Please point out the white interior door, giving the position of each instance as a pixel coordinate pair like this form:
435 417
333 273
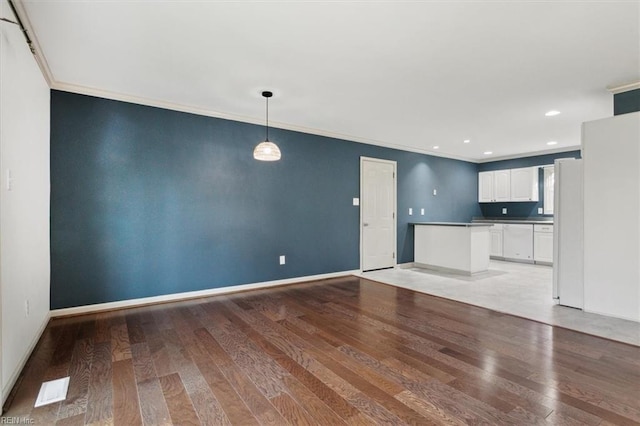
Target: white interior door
377 213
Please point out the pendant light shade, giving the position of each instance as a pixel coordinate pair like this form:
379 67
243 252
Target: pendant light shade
267 150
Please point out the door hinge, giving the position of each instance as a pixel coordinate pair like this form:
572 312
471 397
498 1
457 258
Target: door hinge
394 255
393 215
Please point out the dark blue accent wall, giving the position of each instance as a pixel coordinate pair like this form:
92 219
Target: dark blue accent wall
521 209
148 201
626 102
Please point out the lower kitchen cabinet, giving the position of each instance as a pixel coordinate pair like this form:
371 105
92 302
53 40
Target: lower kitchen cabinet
543 243
495 236
522 242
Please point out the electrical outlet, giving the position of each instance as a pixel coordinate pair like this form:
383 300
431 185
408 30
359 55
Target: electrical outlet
540 211
435 191
422 212
282 260
356 201
26 307
410 211
504 210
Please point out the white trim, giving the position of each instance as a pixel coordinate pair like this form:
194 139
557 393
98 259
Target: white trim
529 154
175 297
90 91
624 87
39 56
23 362
395 204
608 314
407 265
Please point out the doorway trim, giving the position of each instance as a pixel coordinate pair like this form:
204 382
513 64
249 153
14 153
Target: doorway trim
395 205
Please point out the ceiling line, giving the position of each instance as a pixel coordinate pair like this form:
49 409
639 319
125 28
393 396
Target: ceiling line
84 90
22 16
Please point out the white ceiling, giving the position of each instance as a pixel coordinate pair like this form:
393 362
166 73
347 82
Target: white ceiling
409 75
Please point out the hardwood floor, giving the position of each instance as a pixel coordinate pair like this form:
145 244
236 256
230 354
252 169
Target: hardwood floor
341 351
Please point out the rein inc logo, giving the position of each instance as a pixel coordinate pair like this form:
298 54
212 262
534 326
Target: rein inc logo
17 421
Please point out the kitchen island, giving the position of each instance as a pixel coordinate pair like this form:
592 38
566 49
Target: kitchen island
452 247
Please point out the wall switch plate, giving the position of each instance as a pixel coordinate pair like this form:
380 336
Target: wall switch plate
9 182
422 212
540 211
504 210
282 260
410 211
356 201
435 191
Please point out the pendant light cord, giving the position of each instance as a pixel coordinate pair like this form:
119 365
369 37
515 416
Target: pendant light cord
267 119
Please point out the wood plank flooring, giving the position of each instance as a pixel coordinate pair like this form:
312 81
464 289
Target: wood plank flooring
333 352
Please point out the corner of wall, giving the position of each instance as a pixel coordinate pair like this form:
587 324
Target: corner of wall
25 268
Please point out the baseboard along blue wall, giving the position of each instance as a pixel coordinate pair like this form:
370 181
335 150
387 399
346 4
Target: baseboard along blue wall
148 201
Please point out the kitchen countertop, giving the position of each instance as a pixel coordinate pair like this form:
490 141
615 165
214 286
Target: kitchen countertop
450 224
516 220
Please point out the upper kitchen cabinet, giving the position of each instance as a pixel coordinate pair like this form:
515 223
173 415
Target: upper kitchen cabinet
485 187
502 187
494 186
524 184
549 183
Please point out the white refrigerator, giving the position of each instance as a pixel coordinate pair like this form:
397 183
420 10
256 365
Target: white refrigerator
568 218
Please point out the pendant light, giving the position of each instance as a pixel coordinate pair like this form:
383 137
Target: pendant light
267 151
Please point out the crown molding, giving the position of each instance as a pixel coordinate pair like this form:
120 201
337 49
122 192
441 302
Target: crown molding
106 94
624 87
156 103
531 154
39 56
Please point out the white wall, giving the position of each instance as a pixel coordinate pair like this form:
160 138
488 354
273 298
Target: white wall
24 210
611 160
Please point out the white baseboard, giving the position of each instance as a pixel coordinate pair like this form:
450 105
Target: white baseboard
407 265
23 361
109 306
610 315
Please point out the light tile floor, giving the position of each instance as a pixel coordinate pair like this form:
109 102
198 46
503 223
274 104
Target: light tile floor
519 289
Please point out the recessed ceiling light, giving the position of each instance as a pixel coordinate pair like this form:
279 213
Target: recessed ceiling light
552 143
552 113
488 152
466 141
436 147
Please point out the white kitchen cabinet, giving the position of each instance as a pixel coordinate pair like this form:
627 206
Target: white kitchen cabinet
517 242
485 187
502 185
549 188
543 243
455 247
494 186
495 236
524 184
